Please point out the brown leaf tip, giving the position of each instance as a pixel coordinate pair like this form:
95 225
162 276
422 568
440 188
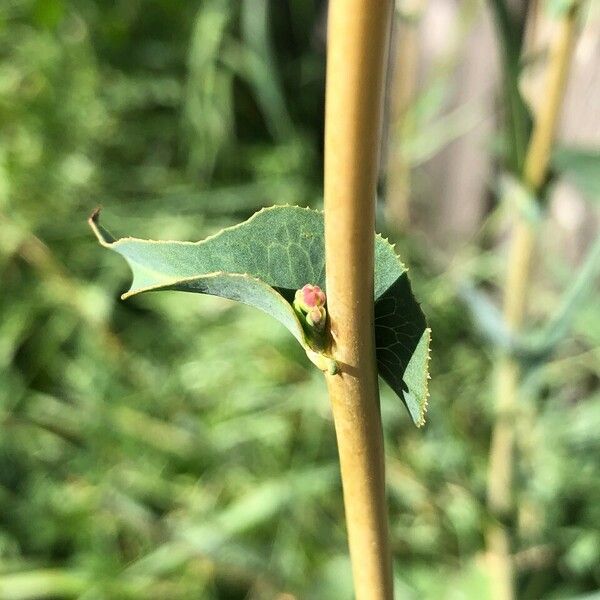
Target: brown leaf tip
93 218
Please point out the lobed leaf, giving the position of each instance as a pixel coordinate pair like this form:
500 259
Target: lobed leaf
263 261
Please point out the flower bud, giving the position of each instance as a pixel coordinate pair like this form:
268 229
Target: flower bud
309 297
317 317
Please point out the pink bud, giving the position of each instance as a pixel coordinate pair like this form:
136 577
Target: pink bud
313 295
317 317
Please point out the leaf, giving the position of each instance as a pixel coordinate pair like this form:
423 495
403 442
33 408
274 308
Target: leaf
263 261
581 166
558 8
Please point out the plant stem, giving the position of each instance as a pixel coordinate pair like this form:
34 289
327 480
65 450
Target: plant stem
516 120
535 171
358 33
403 89
43 583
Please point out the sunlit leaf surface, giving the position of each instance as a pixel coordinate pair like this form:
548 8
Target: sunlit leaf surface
263 261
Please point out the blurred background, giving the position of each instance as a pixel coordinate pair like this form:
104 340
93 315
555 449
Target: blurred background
176 446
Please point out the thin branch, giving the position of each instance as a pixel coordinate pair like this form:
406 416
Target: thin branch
358 33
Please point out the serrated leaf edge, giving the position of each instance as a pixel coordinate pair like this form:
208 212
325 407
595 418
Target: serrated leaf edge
95 216
98 231
321 360
313 356
422 420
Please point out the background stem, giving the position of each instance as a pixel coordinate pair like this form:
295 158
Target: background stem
517 125
535 171
403 85
358 34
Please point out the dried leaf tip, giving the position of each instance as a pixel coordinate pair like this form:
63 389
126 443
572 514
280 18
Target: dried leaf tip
104 237
93 218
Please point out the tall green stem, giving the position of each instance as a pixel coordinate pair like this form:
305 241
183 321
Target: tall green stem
534 174
358 33
516 117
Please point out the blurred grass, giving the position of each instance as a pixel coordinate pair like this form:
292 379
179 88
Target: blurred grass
176 447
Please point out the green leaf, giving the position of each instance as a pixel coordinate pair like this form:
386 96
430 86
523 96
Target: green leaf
581 166
263 261
557 8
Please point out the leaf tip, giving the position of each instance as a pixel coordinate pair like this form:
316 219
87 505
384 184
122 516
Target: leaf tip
93 221
93 218
104 237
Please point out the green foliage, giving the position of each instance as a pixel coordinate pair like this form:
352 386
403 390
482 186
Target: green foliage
517 121
580 166
557 8
263 261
